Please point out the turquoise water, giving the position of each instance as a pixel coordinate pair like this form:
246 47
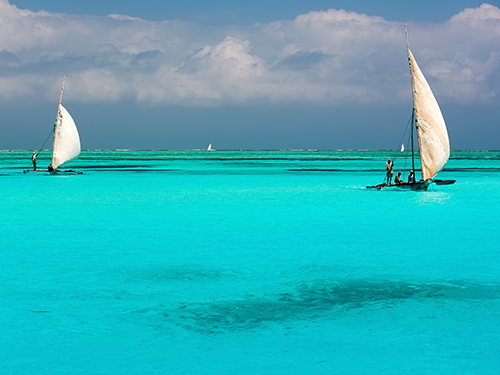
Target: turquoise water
248 263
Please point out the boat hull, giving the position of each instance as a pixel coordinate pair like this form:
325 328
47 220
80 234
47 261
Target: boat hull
56 171
416 186
53 172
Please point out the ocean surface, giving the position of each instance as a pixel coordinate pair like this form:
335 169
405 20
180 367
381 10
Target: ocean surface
235 262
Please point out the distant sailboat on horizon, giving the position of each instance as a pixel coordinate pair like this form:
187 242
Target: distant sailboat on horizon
433 141
66 142
209 148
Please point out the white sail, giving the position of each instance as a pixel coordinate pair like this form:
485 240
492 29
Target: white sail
66 145
209 148
432 135
402 147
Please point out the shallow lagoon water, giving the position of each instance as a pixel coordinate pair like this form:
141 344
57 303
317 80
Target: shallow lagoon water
258 262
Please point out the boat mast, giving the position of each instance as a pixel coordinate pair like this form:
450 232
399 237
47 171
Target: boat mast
59 105
413 99
57 115
60 97
412 150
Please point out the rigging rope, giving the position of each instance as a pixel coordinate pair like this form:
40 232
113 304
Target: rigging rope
401 140
406 159
46 139
406 129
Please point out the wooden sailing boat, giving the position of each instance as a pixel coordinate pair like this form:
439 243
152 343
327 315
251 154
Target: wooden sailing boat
66 141
433 141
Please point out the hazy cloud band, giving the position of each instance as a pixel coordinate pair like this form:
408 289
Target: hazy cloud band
329 57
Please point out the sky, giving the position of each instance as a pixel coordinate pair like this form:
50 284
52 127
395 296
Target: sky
257 75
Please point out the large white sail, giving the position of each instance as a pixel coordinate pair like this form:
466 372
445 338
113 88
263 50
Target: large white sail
66 144
432 135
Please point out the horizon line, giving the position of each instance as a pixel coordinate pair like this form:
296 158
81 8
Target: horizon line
245 150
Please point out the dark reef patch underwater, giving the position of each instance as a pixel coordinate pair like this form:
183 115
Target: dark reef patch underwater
315 300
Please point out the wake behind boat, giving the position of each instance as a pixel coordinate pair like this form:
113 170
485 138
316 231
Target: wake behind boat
66 141
433 141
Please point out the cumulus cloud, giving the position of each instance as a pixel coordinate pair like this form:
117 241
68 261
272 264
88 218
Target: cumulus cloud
328 57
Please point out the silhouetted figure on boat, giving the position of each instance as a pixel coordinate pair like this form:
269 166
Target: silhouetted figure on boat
411 177
50 169
389 171
33 159
397 179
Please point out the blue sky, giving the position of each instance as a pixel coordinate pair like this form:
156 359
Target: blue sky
261 75
249 12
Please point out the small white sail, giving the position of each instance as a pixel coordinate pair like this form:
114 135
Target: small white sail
209 148
402 147
432 135
66 145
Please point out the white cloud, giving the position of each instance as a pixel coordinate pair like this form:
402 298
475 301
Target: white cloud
477 16
328 57
121 17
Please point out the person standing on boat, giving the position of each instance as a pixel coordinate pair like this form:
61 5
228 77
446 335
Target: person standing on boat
389 171
33 159
411 177
397 180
